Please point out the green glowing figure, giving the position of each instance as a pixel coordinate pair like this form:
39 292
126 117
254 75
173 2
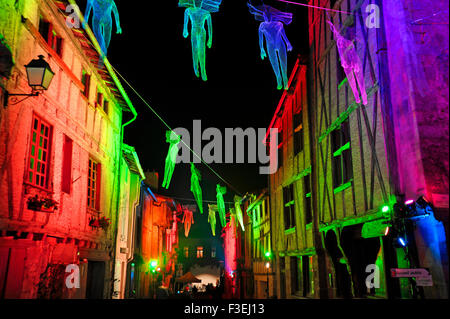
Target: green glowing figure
212 209
195 187
102 21
272 30
171 158
199 12
221 190
238 211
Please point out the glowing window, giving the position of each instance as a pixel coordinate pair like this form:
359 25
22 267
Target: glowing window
200 252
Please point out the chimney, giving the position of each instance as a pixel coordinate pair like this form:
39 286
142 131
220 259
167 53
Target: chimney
152 180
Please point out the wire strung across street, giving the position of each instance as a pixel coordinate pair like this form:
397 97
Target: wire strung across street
164 122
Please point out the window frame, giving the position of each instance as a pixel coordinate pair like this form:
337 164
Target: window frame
289 207
342 166
96 182
35 158
66 169
299 136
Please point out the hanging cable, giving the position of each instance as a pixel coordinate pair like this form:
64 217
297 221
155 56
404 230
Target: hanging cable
316 7
164 122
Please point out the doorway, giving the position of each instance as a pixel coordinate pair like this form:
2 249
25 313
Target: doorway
95 280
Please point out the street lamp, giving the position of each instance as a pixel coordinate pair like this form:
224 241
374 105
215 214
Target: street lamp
39 76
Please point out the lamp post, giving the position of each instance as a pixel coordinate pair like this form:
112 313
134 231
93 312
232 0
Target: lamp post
39 76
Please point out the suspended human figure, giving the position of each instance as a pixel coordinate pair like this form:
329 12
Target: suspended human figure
188 220
351 64
238 211
221 190
212 209
102 21
173 139
195 187
199 12
272 30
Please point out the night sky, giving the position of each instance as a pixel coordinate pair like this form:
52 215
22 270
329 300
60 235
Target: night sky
240 92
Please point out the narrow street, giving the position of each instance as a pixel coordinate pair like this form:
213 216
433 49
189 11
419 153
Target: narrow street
225 154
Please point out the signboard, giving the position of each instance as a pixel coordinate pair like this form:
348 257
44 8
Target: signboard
426 281
440 200
374 229
409 273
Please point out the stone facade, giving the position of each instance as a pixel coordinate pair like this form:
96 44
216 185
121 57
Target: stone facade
40 244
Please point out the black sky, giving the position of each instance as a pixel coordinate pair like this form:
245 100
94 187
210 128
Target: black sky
240 92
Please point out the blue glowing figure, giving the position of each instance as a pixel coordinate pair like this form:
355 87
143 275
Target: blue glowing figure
221 190
277 43
102 21
171 158
199 12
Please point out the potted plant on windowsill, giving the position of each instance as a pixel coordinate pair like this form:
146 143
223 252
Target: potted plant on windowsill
46 205
104 223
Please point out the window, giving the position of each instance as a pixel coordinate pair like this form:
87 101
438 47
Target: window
308 197
199 252
186 252
66 181
94 175
106 106
298 132
289 207
280 148
99 102
213 252
39 156
50 36
342 157
86 80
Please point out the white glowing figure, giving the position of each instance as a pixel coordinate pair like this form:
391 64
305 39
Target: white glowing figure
238 210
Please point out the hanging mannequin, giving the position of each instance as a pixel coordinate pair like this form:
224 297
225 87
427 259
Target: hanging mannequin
277 43
188 220
102 21
212 209
199 12
351 64
221 190
171 158
238 211
195 187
